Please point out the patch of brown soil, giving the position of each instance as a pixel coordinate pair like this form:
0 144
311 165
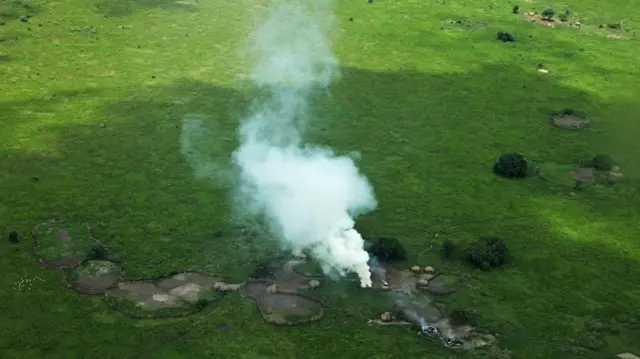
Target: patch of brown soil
289 281
615 37
202 280
145 295
95 276
66 262
283 308
389 278
453 331
438 285
583 174
568 119
179 290
407 282
418 313
60 243
95 284
427 313
533 17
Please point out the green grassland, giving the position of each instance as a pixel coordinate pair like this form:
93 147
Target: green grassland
93 94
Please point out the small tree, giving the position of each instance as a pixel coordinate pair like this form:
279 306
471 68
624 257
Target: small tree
548 13
511 165
516 9
97 252
487 253
201 303
603 162
505 37
388 249
448 248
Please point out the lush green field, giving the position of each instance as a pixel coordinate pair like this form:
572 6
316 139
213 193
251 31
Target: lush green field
92 98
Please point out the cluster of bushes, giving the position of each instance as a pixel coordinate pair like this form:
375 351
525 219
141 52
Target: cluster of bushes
485 253
386 248
547 14
598 162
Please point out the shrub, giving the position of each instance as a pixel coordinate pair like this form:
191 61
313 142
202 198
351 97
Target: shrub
599 162
262 269
563 17
97 252
505 37
516 9
13 237
448 248
511 165
388 249
488 252
201 303
603 163
463 317
548 13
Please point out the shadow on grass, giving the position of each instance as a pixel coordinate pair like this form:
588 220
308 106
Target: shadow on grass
428 142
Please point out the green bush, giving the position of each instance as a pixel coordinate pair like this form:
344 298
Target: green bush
388 249
603 163
600 162
548 13
511 165
13 237
261 269
97 252
505 37
448 248
201 303
487 253
516 9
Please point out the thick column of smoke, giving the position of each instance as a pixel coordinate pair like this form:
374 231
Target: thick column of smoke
307 193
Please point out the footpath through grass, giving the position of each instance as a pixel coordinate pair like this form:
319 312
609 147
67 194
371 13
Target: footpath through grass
94 92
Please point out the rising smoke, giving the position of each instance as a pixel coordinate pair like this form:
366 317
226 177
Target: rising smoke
308 194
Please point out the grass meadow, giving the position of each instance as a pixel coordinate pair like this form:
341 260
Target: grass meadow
93 94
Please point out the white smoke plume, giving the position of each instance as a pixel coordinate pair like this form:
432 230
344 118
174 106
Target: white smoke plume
308 194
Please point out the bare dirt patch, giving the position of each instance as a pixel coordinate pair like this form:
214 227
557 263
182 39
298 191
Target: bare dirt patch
283 308
61 245
178 295
430 318
418 311
278 299
414 307
533 17
569 120
95 276
441 285
405 281
615 37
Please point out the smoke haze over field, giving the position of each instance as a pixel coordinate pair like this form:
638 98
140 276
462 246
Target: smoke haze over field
307 194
